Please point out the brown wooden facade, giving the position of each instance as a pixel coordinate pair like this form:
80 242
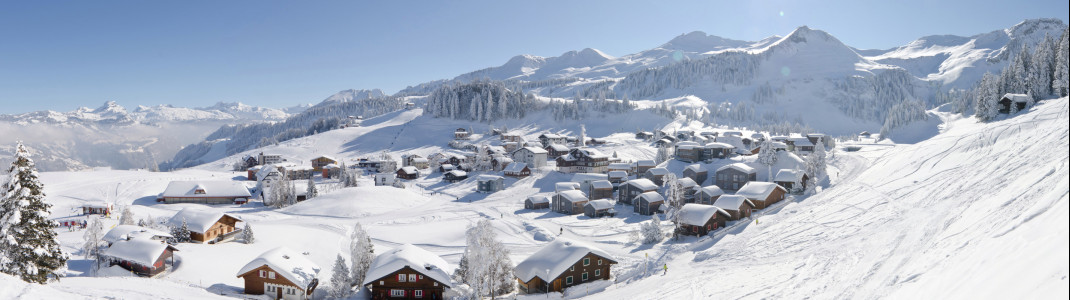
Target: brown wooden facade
224 225
157 267
406 283
589 268
259 279
775 196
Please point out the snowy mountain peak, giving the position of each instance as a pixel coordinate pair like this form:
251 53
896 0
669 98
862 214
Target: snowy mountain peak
1031 26
353 94
698 41
587 56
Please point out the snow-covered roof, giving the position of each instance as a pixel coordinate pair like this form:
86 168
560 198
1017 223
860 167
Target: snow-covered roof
757 189
738 166
658 171
697 168
620 166
651 197
789 175
731 202
642 184
698 214
584 177
559 147
141 251
573 195
133 232
801 141
419 159
197 220
617 174
711 191
407 255
687 145
779 145
564 186
557 256
592 153
96 204
458 173
602 184
600 204
326 157
515 167
291 265
1017 97
410 170
687 182
230 189
718 145
541 198
535 150
645 163
487 177
552 136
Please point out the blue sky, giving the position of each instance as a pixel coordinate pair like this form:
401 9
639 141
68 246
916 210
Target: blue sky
62 55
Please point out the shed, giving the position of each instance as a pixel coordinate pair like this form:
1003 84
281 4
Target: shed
648 203
599 208
701 219
1011 103
537 202
569 202
762 194
791 180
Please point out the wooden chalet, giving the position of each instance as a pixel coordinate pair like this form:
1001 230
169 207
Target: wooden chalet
550 138
708 194
631 189
281 273
717 150
737 206
500 162
688 151
569 202
561 264
644 135
489 183
556 150
537 202
97 208
627 168
701 219
517 170
141 256
656 175
762 194
1013 103
455 176
643 165
407 173
601 189
648 203
688 187
616 177
461 134
534 157
599 208
251 172
204 225
408 272
319 162
734 176
583 160
205 192
415 160
792 180
696 172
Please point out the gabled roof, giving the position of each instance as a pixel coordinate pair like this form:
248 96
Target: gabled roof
515 167
324 156
718 145
535 150
582 177
738 167
645 163
197 220
642 184
564 186
409 170
600 204
488 177
758 190
291 265
558 147
697 168
458 173
229 189
540 198
1017 97
800 141
133 232
731 202
789 175
557 256
573 195
687 182
144 252
620 165
407 255
617 174
650 197
687 145
658 171
698 214
602 184
711 191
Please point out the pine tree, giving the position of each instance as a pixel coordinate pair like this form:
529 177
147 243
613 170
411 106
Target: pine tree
1060 75
93 238
987 98
768 157
361 252
28 245
247 234
340 287
126 217
311 191
291 196
651 231
180 233
485 265
673 197
1042 67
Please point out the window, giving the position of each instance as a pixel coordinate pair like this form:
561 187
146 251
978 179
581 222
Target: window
412 277
263 273
572 268
584 276
568 280
418 293
397 293
271 275
401 277
270 288
421 277
381 282
599 261
586 261
597 272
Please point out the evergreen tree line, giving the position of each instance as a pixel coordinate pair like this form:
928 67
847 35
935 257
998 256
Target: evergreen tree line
732 67
1040 74
481 101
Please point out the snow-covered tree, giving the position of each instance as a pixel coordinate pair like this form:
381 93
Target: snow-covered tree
311 191
816 163
767 156
28 245
93 238
398 183
1043 64
485 264
582 142
674 197
291 196
180 233
126 217
663 155
1060 76
987 97
361 254
651 231
483 159
247 234
340 282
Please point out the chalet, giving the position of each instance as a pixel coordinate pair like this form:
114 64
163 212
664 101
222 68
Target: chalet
816 138
696 172
762 194
599 208
717 150
410 105
688 187
408 173
537 202
616 177
251 172
205 192
734 176
732 140
532 156
648 203
664 142
642 165
384 179
864 134
144 257
351 121
266 176
280 273
455 176
683 135
562 264
708 194
688 151
97 208
569 202
644 135
203 225
631 189
489 183
408 272
517 170
737 206
461 134
331 171
268 159
793 181
499 162
443 168
656 175
601 189
701 219
556 150
249 161
125 232
1011 103
627 168
549 139
732 133
414 160
512 137
510 146
583 160
319 162
292 171
585 180
800 145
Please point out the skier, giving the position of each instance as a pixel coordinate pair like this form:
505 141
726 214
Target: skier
562 231
666 267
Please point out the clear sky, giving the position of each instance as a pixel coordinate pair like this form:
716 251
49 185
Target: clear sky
61 55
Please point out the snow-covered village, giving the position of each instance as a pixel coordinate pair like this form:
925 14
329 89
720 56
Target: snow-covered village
766 159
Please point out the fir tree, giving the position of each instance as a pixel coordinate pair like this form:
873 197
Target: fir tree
361 252
311 191
340 287
1060 75
485 265
93 238
651 231
180 233
767 156
28 245
987 98
126 217
247 234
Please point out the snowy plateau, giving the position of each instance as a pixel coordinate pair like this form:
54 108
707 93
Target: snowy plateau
942 206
